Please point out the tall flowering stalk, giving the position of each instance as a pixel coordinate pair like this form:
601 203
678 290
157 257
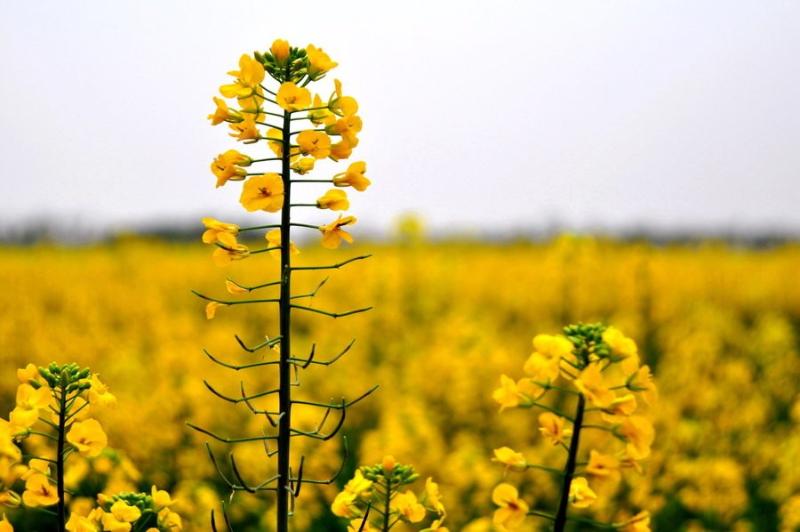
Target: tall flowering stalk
276 116
601 373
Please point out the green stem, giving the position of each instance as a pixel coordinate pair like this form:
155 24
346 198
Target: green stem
386 511
284 395
62 421
569 468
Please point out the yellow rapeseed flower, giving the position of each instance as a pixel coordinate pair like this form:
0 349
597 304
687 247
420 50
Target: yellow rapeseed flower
353 177
512 510
314 143
228 166
223 113
29 401
333 234
342 105
211 309
99 394
591 384
510 458
638 523
28 373
639 434
222 256
88 437
292 98
39 492
245 130
318 61
248 78
603 465
234 288
303 165
222 232
552 428
263 192
347 127
580 494
5 526
344 504
341 150
335 200
407 507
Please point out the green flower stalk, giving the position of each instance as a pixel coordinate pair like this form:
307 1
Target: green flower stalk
300 130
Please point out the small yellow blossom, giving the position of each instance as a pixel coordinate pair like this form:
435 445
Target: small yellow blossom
511 458
88 437
335 200
234 288
512 394
318 61
591 384
39 492
28 373
99 394
358 484
639 434
603 466
221 232
341 150
580 494
303 165
223 256
29 401
353 177
347 127
552 428
344 504
333 234
228 167
292 98
512 510
245 130
342 105
639 523
223 113
169 520
5 526
642 382
263 192
248 78
314 143
432 496
408 508
212 307
280 50
85 523
161 498
619 408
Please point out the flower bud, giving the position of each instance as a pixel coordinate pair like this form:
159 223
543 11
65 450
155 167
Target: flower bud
280 50
388 463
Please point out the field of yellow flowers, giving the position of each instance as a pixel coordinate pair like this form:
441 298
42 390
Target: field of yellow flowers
718 325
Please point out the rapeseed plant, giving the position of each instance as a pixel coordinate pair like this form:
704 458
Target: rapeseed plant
599 368
276 115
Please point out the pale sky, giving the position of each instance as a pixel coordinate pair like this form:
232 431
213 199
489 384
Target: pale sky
477 115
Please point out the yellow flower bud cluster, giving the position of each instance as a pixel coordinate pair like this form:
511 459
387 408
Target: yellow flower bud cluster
379 487
598 368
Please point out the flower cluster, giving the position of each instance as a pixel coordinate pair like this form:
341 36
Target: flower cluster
53 402
372 499
127 511
599 368
332 133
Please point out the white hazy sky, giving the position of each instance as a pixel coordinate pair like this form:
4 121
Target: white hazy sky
492 115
